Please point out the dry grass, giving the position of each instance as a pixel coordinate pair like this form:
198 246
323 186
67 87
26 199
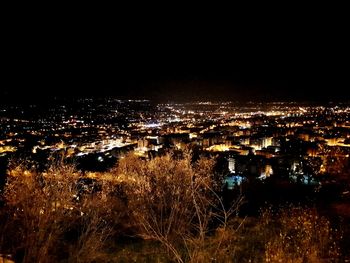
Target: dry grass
302 236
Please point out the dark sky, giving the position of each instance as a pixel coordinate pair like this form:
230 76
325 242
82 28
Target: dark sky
308 60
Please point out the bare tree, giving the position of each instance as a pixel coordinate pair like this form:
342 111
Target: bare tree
173 202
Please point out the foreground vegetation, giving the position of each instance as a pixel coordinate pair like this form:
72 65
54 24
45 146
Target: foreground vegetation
168 209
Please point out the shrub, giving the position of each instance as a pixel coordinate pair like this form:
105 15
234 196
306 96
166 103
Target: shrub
172 201
42 212
60 215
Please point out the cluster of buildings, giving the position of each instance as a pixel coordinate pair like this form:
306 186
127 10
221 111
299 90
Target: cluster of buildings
301 142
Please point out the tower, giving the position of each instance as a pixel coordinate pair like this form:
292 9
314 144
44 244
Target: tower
231 165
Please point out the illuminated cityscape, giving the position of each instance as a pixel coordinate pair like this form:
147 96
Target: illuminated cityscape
287 140
273 152
124 139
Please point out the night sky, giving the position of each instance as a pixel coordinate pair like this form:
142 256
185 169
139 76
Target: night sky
177 62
